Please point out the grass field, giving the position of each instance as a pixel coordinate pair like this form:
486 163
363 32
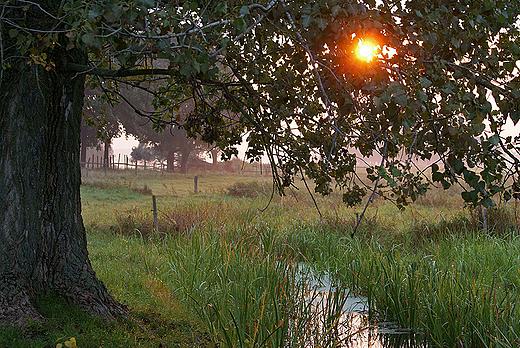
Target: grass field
225 267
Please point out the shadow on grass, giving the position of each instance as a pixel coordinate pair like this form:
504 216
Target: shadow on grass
64 321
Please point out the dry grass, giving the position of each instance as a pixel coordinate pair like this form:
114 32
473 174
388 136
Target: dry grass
119 185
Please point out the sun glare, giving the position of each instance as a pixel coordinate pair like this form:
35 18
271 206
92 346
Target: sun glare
366 51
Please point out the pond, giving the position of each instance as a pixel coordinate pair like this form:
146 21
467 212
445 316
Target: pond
355 326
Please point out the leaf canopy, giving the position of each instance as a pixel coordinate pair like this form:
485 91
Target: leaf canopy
440 93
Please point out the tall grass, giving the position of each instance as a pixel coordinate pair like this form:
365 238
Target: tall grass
237 267
462 294
247 296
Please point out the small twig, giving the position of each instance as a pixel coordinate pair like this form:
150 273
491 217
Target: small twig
310 193
371 198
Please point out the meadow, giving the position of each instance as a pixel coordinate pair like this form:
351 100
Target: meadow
230 266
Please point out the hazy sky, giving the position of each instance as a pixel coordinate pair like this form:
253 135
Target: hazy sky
124 145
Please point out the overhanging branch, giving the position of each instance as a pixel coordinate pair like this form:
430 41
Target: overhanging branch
84 69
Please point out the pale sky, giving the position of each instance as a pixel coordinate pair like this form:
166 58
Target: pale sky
123 146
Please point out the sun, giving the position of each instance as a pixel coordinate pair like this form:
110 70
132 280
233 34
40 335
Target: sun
366 50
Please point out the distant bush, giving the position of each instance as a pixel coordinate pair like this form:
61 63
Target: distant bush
249 189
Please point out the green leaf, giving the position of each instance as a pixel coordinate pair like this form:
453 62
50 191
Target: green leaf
13 33
445 184
515 116
401 100
425 83
244 10
307 20
239 24
494 139
458 166
222 7
437 176
88 38
93 14
147 3
185 70
479 128
488 202
470 196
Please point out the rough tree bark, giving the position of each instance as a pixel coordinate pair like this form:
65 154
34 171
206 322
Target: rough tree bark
43 245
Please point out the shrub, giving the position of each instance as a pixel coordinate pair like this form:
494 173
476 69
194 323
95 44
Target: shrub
249 189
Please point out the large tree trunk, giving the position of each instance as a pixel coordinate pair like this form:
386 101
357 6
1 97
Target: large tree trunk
43 245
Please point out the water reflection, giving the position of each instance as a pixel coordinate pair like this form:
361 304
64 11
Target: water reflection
353 329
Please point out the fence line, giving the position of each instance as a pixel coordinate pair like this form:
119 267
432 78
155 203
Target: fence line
97 162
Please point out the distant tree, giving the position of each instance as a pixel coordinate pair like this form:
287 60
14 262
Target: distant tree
143 152
170 140
99 116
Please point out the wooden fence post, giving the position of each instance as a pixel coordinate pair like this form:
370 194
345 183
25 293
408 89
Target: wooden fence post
485 219
154 204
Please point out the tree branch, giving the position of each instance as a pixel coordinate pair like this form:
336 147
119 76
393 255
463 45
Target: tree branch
84 69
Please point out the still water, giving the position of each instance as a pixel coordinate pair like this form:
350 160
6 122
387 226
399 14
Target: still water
354 328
